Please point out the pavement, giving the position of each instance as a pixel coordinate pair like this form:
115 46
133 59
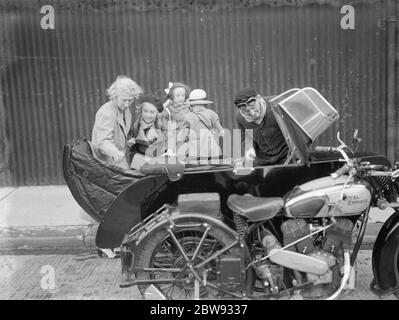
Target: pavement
43 219
47 219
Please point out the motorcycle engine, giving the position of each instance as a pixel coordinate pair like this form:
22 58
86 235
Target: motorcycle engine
327 248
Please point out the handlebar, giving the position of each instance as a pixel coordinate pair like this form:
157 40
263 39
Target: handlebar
341 171
325 149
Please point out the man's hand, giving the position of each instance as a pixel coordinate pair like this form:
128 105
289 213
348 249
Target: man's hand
250 154
117 156
131 142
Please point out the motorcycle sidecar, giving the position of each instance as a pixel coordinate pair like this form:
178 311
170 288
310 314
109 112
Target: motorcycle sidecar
120 199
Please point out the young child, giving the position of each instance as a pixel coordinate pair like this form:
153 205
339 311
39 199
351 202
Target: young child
206 125
176 108
176 95
146 130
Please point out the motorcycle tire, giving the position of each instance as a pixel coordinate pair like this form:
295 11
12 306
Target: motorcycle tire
385 261
148 251
396 267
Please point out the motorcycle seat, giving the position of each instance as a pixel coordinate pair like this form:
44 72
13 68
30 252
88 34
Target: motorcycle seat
255 208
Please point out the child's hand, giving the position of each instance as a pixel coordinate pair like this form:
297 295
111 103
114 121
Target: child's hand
250 154
221 133
170 153
167 103
131 142
117 156
153 140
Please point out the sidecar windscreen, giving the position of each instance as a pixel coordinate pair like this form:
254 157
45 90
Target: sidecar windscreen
309 110
302 114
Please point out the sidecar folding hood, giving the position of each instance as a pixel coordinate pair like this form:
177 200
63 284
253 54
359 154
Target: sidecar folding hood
303 115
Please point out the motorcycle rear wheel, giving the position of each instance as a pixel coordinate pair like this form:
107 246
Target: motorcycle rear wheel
158 250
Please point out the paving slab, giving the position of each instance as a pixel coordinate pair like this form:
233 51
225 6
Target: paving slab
40 206
44 219
5 191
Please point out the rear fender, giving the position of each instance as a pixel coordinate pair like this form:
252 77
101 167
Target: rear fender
385 257
132 241
187 219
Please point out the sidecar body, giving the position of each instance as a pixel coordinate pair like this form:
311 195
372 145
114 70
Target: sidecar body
120 199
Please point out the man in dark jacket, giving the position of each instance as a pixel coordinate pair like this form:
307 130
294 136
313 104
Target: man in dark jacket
254 112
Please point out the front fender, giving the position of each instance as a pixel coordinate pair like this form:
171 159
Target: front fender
385 257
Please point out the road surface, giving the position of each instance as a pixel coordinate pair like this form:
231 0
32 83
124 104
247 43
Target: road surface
62 277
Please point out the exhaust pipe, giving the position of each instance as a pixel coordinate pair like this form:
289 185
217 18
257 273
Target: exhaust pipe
347 270
293 260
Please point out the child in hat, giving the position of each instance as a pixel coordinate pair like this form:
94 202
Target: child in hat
175 107
204 123
148 135
176 94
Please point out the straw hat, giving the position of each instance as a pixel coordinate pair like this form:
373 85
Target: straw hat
197 96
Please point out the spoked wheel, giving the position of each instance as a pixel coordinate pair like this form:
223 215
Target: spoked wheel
160 252
385 258
396 258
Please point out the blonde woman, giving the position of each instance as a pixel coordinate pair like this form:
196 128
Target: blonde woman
113 122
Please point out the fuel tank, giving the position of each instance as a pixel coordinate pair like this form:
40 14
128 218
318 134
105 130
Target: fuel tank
321 198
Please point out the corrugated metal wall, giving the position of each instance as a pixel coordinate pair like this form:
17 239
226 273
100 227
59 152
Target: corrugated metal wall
53 81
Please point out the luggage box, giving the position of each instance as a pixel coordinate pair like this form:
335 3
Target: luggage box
205 203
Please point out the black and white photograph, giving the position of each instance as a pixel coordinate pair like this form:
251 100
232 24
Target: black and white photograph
214 152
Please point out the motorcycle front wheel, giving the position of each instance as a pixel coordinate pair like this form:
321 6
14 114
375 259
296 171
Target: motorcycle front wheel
385 258
159 250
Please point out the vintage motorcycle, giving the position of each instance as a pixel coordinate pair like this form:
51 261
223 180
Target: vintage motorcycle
232 231
298 246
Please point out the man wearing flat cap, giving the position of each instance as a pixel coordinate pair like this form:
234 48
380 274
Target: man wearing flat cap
254 112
